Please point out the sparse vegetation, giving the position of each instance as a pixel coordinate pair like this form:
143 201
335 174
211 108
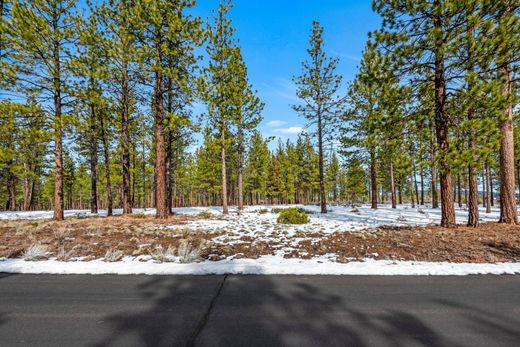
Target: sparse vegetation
36 252
113 255
138 215
162 255
293 216
205 214
188 253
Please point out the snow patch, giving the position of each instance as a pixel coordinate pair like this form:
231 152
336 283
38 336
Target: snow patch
265 265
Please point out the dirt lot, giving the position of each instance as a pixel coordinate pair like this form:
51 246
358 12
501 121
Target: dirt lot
91 238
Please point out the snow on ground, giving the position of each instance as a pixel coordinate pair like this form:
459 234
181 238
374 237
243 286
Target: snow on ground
260 222
265 265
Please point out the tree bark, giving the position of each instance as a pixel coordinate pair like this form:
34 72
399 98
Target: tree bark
508 213
488 188
422 186
416 186
459 191
93 161
125 138
106 154
323 198
373 178
442 126
240 139
58 145
160 153
392 185
225 208
434 193
28 190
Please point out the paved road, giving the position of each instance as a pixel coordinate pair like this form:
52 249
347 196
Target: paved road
42 310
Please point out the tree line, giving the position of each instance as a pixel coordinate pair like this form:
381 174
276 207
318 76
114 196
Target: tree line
97 110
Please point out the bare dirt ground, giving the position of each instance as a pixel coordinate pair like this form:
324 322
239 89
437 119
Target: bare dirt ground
91 238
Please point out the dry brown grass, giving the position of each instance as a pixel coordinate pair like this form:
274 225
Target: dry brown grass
95 237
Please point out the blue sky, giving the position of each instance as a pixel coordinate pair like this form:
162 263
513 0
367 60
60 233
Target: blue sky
274 35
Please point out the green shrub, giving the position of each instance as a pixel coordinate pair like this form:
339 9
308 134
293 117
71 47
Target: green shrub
263 211
138 215
293 216
280 209
205 214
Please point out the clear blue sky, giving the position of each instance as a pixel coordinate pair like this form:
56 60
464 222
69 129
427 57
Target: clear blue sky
274 35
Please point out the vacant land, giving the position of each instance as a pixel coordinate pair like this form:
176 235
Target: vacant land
339 236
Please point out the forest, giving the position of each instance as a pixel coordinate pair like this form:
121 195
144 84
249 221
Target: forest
96 111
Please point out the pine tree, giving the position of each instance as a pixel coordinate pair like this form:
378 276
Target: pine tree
246 108
318 88
355 181
120 48
218 84
362 122
422 37
160 27
40 35
506 36
257 168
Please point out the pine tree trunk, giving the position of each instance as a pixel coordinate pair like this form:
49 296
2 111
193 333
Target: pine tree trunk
28 189
434 193
416 186
442 126
93 161
58 145
125 138
473 213
484 187
169 133
508 213
422 186
160 153
11 188
518 179
225 208
373 179
106 154
392 185
488 188
412 195
323 198
459 191
240 163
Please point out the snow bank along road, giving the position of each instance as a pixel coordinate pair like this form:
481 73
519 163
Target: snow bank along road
227 310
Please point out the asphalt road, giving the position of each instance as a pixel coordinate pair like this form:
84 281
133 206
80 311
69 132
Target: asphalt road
43 310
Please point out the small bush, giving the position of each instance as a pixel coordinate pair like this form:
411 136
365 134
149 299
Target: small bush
188 253
164 255
263 211
293 216
112 256
205 214
64 255
138 215
280 209
35 252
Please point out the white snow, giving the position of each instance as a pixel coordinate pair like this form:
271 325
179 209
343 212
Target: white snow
265 265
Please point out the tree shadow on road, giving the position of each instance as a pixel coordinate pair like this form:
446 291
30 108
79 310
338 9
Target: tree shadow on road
262 311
